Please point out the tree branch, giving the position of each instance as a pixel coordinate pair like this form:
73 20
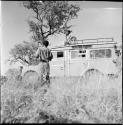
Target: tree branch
22 60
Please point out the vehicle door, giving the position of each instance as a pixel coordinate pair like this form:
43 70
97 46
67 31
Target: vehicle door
77 62
57 64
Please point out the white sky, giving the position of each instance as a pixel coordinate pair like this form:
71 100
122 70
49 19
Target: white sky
96 19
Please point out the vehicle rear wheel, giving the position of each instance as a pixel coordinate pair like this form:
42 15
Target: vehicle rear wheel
93 75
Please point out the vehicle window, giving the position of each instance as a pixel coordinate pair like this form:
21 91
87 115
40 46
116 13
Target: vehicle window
74 54
78 54
102 53
92 53
60 54
108 53
82 51
83 55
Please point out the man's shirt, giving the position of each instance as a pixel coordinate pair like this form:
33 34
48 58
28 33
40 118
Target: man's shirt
44 54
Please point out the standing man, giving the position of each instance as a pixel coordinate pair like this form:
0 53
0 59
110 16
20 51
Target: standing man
45 55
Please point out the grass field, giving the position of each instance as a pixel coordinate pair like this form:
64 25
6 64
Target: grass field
67 100
95 98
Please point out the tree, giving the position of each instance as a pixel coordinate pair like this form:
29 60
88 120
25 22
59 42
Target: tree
23 53
50 18
118 59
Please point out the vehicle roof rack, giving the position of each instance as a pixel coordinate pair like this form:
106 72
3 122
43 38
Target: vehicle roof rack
96 40
91 41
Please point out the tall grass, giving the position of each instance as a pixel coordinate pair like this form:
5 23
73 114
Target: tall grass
70 100
90 102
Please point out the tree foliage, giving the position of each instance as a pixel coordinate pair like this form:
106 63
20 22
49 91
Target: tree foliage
50 17
23 53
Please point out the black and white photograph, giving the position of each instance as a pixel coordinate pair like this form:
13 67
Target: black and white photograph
61 62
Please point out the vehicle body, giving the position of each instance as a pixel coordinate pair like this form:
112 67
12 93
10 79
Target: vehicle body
81 56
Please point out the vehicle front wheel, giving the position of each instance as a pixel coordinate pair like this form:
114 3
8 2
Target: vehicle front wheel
30 77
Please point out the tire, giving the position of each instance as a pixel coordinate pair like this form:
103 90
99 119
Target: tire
92 74
30 77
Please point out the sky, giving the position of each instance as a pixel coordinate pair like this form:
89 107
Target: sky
96 19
